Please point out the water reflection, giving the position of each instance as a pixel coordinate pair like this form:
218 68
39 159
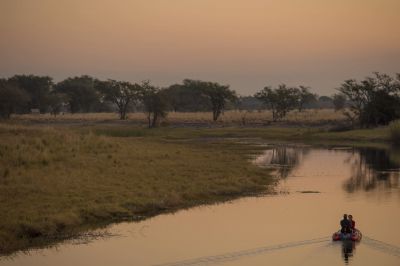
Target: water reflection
348 250
282 158
373 169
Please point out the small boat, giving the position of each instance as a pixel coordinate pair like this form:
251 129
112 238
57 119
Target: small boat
355 236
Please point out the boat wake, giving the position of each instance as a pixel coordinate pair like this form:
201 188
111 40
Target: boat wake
206 260
244 253
382 246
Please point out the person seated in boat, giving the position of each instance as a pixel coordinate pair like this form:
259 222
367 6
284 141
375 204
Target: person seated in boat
352 223
345 224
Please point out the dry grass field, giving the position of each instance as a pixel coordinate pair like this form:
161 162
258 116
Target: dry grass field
56 182
308 117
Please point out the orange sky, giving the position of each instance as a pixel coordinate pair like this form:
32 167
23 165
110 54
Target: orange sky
247 44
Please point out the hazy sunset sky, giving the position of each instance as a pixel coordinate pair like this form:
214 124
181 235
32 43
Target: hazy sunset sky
247 44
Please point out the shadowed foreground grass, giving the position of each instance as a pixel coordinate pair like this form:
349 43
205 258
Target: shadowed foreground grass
57 182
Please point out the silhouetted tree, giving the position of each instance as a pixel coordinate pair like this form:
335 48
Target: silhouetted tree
373 101
187 97
38 89
154 102
56 102
218 95
12 98
174 94
120 93
81 93
280 100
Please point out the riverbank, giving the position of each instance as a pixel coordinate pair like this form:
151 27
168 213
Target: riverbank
59 181
268 133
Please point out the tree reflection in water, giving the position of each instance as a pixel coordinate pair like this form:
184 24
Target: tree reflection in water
373 169
282 158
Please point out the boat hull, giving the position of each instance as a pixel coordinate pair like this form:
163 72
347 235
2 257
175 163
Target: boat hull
355 236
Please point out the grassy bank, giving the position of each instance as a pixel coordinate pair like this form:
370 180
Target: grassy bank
57 182
271 133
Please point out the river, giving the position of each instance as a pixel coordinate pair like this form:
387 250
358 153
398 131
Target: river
292 227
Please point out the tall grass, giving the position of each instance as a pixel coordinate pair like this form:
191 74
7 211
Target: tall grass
55 182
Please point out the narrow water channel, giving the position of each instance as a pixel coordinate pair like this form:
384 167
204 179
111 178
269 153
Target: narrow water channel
293 227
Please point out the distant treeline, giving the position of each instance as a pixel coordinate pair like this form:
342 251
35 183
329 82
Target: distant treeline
372 101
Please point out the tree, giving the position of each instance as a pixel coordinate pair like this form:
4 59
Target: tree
81 93
38 89
12 98
175 95
155 104
122 94
280 100
373 101
187 97
339 101
218 95
56 102
209 94
305 97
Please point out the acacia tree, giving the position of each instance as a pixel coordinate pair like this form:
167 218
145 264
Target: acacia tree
373 101
215 94
11 98
218 95
121 93
154 102
280 100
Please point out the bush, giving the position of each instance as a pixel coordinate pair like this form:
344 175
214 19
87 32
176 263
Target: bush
373 101
394 130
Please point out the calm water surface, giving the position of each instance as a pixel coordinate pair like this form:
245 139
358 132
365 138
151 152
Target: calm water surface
289 228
